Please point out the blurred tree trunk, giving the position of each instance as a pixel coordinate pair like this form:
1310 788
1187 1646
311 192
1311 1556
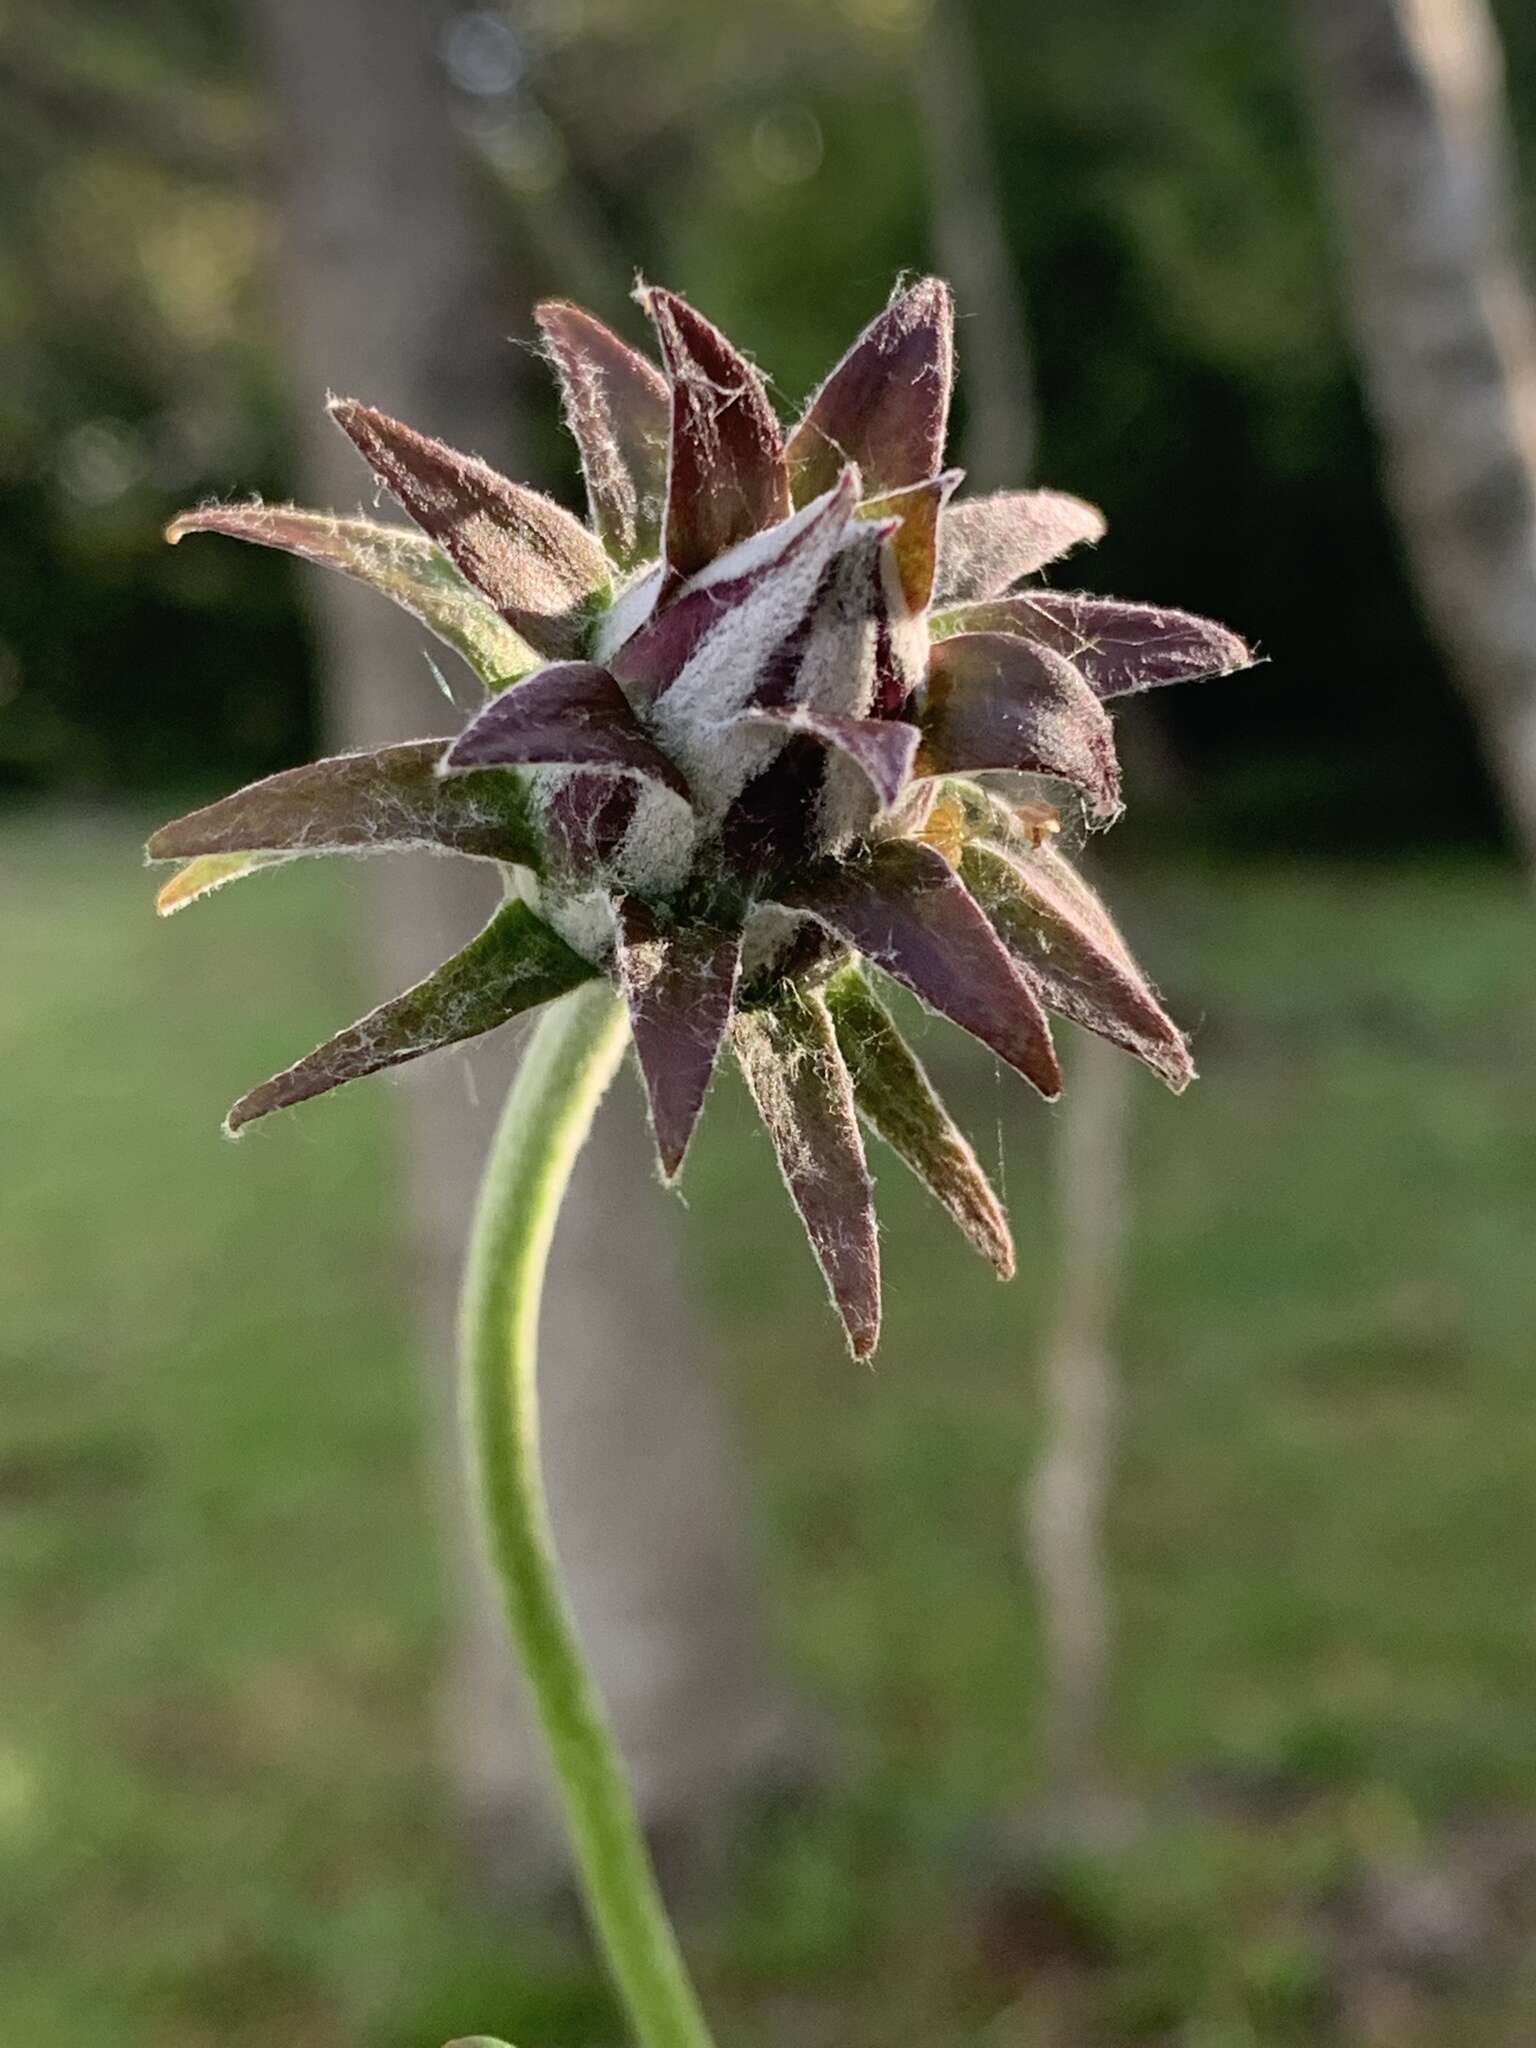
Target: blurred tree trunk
1067 1496
970 239
1410 99
390 272
1064 1497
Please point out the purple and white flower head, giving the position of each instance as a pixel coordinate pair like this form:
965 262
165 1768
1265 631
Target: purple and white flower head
742 743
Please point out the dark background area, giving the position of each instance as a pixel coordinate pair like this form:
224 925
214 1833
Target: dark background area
1163 204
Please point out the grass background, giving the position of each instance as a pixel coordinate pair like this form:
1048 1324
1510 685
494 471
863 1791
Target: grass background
218 1610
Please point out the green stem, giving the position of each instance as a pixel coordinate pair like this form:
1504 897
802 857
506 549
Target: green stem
571 1059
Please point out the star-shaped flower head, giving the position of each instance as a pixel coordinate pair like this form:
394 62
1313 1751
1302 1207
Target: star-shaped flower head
735 750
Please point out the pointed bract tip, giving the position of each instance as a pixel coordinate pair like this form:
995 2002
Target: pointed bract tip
726 474
210 518
567 327
364 424
928 295
886 401
669 1163
1169 1061
202 877
649 296
665 309
683 331
238 521
863 1342
355 419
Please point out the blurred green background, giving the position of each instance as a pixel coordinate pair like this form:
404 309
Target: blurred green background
219 1616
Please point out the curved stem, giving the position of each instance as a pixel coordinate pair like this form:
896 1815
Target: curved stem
571 1059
